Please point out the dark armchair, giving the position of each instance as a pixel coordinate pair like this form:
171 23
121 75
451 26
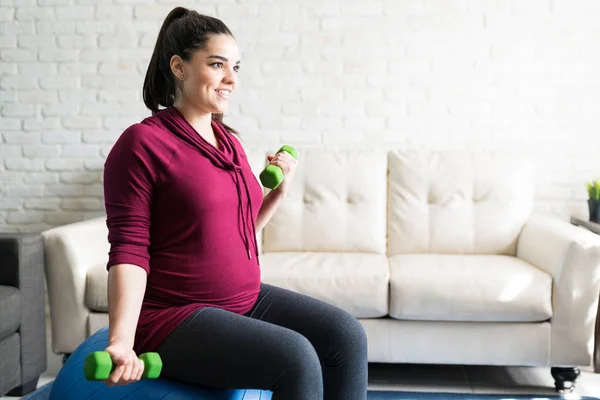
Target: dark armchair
22 313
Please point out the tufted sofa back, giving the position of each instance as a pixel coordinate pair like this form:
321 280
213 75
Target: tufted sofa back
404 201
338 204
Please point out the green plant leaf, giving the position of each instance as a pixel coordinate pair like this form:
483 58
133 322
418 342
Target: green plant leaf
593 188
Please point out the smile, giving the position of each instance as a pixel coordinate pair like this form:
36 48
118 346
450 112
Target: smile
223 93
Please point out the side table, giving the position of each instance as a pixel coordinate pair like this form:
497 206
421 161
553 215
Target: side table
593 227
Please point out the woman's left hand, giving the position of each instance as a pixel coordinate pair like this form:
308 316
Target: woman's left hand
288 164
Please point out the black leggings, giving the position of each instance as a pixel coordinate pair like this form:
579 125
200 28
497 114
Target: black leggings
294 345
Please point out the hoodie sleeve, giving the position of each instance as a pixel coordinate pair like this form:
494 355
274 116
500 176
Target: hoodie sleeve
129 179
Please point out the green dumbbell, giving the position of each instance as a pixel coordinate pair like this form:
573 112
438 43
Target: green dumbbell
99 365
272 175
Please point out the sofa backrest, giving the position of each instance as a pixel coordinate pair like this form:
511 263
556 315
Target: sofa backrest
403 201
458 202
337 204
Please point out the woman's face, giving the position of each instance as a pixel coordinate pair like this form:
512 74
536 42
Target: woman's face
210 76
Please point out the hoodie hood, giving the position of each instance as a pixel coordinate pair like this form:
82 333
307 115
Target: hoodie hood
227 159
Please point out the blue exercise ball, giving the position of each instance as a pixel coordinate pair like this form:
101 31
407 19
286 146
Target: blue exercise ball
71 384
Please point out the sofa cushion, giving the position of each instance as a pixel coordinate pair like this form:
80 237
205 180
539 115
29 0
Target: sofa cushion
10 310
468 288
458 202
337 203
96 286
355 282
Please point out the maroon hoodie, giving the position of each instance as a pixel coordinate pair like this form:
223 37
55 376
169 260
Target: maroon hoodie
185 211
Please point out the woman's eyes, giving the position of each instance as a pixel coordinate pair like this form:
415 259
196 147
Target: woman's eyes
220 65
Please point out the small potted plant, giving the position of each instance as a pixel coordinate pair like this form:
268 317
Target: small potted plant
594 200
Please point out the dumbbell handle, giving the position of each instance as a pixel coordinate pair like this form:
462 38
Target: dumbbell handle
99 365
272 175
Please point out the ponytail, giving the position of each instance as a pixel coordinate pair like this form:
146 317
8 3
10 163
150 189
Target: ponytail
182 33
159 84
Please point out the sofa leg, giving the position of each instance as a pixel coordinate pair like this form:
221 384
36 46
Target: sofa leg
24 389
564 378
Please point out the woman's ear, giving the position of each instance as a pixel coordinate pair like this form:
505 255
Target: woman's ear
176 65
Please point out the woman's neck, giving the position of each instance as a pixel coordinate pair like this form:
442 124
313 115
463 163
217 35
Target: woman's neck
199 120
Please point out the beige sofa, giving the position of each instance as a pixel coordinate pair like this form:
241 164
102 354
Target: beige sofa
437 253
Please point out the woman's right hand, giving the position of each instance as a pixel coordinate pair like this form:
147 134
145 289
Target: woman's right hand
128 367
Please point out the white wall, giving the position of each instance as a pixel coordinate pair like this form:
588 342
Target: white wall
490 74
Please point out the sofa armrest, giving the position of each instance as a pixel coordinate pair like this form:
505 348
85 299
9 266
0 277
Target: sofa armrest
22 266
571 255
71 250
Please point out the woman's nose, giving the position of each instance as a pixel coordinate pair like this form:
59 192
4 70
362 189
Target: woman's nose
230 77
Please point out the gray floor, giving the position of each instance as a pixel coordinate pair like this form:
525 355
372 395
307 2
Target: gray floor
450 378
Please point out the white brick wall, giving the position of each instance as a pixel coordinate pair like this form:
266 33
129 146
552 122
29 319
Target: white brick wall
482 74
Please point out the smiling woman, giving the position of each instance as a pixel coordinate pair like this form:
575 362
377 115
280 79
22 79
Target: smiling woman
183 210
195 63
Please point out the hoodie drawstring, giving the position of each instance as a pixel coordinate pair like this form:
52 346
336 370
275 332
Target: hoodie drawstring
251 213
237 175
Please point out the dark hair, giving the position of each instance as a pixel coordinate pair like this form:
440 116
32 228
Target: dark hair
182 33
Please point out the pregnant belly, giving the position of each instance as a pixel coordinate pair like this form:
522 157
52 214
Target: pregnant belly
219 283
